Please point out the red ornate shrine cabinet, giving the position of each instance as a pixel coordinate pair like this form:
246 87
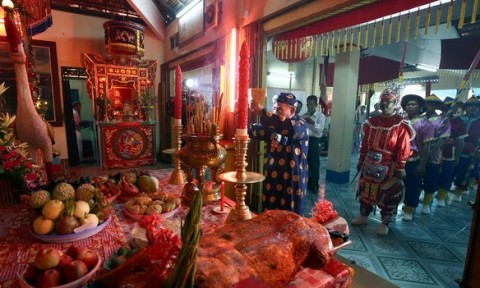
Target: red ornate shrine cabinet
119 82
115 84
127 144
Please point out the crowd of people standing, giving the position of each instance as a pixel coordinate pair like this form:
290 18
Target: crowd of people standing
431 147
438 154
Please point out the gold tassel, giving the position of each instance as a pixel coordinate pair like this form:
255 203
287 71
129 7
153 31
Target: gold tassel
359 37
290 48
427 21
295 50
382 30
366 37
327 42
338 41
345 41
275 49
314 47
417 24
390 25
437 19
321 45
374 34
407 27
474 12
301 43
280 49
399 28
449 14
351 39
333 42
461 20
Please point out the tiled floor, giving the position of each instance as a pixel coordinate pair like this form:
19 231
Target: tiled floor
428 252
424 253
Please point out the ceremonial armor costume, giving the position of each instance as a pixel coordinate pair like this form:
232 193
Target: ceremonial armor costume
384 150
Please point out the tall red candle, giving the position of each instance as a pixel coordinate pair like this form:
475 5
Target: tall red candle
243 83
178 93
222 196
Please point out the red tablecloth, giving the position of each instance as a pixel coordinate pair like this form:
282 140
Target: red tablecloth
18 247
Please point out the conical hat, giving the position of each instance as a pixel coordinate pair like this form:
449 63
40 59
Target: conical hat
449 101
472 101
432 98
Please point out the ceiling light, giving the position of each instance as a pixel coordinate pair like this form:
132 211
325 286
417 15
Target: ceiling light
187 8
280 74
427 67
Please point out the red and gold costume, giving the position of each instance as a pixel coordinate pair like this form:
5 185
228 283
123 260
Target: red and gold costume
384 150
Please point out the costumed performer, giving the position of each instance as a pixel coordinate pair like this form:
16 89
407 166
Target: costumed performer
451 149
467 168
384 149
285 163
414 106
441 131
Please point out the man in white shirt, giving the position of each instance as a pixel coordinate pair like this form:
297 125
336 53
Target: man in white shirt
77 107
316 122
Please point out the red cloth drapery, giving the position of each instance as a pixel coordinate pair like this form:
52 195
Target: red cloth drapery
372 69
39 15
357 16
459 53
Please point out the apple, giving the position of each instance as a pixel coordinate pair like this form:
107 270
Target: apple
75 270
49 278
47 258
31 274
73 251
88 256
65 259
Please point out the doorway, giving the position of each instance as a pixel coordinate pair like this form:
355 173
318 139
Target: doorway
85 151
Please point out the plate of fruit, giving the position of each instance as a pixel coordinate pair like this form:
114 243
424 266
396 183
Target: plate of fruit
68 214
108 187
81 232
143 205
54 268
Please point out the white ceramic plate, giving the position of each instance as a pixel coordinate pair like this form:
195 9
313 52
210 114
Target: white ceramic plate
74 284
139 216
52 238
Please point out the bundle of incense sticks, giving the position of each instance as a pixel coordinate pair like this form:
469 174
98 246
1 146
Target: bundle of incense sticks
200 119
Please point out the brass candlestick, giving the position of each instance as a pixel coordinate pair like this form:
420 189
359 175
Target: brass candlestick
178 176
240 177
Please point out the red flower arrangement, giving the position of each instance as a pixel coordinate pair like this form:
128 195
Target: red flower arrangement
13 157
163 247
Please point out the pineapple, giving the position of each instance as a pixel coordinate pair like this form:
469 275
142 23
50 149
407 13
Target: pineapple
39 199
63 191
130 177
85 192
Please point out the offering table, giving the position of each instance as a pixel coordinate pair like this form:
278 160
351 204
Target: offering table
18 247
